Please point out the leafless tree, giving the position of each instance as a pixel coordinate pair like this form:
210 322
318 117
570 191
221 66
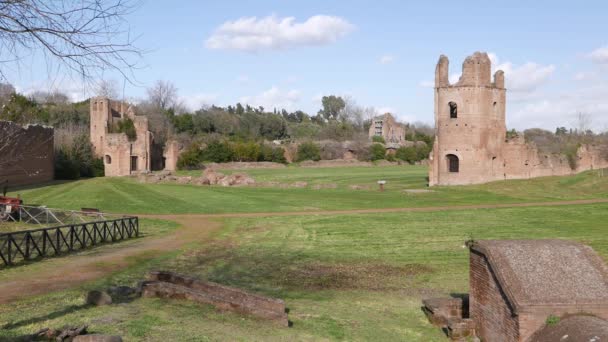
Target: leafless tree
163 95
583 122
87 37
107 88
44 97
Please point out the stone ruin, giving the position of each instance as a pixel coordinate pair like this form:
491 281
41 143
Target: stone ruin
122 156
26 154
171 285
470 133
209 177
528 290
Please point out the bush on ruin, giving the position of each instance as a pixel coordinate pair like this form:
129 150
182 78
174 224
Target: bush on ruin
378 139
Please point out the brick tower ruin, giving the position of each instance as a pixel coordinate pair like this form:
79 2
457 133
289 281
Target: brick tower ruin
469 123
471 145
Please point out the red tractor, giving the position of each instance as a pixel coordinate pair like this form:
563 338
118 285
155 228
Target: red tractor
9 206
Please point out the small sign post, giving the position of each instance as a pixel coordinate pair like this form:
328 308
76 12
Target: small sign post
381 184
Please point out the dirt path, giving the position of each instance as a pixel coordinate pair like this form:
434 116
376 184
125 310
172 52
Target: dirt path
195 227
77 269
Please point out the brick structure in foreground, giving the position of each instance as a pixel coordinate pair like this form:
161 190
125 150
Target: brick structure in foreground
515 285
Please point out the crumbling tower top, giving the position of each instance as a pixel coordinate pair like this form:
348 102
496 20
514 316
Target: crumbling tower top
476 72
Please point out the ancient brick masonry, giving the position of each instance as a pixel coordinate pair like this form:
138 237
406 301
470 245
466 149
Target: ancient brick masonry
121 156
470 132
171 285
388 128
26 154
517 285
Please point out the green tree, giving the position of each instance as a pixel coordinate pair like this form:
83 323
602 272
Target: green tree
218 151
332 105
22 110
239 109
407 154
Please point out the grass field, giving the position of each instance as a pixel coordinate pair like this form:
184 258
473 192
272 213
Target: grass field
126 195
343 277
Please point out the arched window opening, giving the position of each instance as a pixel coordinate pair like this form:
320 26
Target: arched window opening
108 159
453 110
453 163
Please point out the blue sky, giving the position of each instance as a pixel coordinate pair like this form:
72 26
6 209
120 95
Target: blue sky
380 53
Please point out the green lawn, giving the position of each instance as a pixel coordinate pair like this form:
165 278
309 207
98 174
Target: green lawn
344 277
126 195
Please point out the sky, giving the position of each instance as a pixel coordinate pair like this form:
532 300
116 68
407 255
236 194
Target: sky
381 54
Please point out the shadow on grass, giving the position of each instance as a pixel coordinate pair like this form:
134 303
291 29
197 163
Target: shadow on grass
276 272
66 311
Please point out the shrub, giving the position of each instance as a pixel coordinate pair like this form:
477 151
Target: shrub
272 154
74 159
249 151
127 127
377 152
190 159
407 154
219 152
308 151
378 139
65 166
552 320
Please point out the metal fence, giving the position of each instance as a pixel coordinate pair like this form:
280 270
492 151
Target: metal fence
26 245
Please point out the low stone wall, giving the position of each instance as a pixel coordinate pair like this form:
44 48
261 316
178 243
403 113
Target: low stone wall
171 285
26 154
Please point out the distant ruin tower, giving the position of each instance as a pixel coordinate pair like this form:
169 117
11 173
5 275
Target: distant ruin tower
469 124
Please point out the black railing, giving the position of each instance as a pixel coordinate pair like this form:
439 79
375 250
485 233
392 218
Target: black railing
40 243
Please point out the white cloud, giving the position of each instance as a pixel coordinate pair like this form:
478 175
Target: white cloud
527 77
196 101
600 55
75 90
523 78
273 33
273 98
387 59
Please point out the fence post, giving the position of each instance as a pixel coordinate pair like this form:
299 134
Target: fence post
10 252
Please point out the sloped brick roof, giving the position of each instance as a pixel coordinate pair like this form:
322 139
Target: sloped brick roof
547 272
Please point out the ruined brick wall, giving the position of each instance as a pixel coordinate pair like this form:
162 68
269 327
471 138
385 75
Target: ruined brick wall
388 128
26 154
469 123
121 156
488 306
171 154
475 134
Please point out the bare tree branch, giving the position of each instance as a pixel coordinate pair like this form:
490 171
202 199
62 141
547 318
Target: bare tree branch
87 37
